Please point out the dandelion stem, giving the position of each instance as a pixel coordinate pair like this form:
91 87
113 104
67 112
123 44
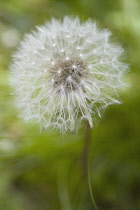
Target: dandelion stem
90 187
86 161
86 147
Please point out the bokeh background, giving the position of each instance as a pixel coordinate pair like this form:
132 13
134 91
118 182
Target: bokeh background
44 171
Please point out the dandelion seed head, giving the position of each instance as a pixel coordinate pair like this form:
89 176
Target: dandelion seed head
65 72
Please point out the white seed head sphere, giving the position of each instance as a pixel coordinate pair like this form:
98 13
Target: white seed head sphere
65 72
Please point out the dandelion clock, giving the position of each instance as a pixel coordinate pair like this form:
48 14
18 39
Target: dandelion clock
66 72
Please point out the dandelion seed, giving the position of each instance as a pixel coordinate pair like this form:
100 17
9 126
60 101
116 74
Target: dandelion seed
79 79
53 63
78 48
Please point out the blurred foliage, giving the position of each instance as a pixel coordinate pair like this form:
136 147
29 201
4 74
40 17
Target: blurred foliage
43 171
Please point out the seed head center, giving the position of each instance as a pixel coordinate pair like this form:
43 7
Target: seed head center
68 73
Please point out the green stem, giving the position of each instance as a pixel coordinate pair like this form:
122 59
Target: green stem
90 187
86 148
86 159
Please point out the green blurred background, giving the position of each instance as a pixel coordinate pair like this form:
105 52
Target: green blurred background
44 171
